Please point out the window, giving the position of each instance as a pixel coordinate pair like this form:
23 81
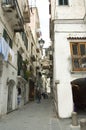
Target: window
78 54
7 38
24 38
63 2
19 62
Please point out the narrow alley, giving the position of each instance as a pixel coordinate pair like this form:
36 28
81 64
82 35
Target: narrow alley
37 116
33 116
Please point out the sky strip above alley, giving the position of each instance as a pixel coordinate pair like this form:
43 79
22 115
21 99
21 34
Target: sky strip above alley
43 9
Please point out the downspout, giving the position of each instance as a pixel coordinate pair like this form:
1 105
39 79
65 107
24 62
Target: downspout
19 12
85 9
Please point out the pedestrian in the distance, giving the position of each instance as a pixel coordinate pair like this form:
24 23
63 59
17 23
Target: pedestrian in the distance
39 87
38 95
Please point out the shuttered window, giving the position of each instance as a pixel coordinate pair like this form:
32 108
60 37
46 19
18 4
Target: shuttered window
78 55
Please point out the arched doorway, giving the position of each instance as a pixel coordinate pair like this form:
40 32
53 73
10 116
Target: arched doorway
79 93
11 83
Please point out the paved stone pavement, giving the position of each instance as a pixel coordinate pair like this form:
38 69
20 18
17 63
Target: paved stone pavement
34 116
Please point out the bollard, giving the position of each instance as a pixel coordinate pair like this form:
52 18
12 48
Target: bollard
74 119
83 124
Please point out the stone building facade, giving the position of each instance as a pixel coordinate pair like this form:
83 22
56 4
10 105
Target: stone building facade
15 54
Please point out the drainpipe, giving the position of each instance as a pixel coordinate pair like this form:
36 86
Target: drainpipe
19 12
85 8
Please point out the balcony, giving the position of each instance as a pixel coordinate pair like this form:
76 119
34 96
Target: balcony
13 14
8 5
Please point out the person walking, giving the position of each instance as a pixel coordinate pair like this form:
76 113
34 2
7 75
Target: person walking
39 86
38 93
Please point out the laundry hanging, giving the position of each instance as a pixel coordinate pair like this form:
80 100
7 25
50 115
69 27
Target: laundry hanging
4 48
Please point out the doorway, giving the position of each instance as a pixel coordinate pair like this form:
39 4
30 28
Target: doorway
31 90
79 94
11 84
10 98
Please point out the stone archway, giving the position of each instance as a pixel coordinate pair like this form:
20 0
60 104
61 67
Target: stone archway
79 93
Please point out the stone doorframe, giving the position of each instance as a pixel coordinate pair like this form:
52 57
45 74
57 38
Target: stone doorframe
10 84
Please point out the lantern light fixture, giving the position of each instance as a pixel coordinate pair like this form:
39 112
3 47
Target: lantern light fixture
41 43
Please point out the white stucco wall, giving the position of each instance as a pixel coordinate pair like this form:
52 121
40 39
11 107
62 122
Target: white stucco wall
62 65
74 10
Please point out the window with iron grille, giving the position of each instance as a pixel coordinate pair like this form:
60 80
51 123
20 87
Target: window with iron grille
63 2
78 54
